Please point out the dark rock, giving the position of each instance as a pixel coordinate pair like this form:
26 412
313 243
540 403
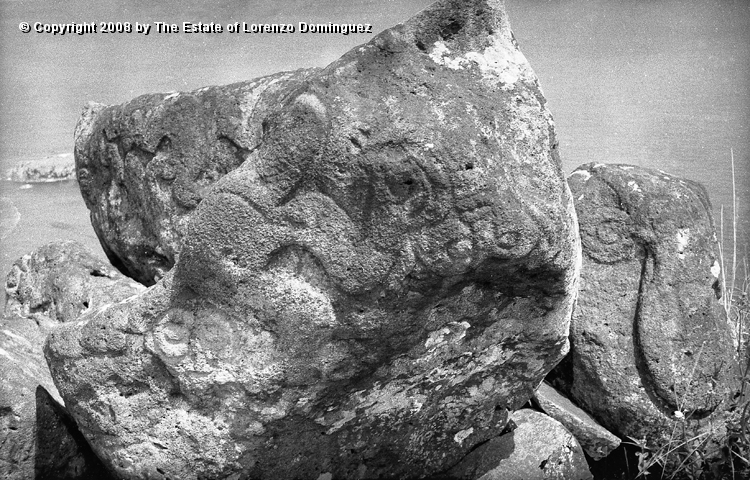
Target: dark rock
390 270
51 169
145 165
60 281
38 439
539 448
648 336
596 440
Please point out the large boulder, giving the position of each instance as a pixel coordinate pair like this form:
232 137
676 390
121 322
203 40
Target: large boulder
390 271
650 345
145 165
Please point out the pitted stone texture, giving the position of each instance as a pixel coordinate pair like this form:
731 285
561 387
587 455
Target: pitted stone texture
38 439
539 448
56 283
648 337
61 281
144 166
596 441
388 273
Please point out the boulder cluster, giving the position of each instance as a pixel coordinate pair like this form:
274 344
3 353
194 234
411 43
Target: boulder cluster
361 271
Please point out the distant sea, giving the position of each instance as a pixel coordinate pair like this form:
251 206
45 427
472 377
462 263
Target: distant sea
663 84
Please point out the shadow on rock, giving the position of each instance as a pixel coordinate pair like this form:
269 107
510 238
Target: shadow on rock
61 450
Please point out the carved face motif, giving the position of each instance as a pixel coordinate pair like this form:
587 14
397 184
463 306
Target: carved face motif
391 269
348 216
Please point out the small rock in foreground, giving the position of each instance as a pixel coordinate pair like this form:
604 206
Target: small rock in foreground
597 441
539 448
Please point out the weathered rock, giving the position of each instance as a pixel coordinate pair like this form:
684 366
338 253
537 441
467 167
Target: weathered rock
50 169
37 437
648 337
61 449
390 271
60 281
597 441
56 283
539 448
145 165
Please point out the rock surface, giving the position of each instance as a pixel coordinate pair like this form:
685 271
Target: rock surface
51 169
648 336
60 281
389 272
37 437
145 165
597 441
54 284
539 448
61 450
